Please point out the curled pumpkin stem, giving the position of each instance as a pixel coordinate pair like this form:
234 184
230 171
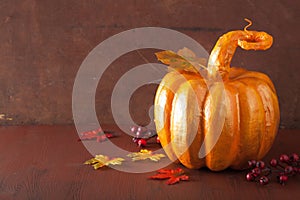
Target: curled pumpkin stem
247 26
221 55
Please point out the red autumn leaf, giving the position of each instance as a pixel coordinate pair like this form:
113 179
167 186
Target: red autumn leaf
97 134
173 175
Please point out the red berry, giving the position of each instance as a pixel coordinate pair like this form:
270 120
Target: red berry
135 140
149 133
249 163
284 158
282 179
263 180
260 164
133 129
273 162
138 134
256 171
252 163
250 177
157 139
288 169
142 142
141 129
294 157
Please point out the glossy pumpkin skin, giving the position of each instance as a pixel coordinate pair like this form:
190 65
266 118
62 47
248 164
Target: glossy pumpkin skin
186 113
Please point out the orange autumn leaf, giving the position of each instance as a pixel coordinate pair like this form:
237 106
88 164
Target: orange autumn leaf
173 175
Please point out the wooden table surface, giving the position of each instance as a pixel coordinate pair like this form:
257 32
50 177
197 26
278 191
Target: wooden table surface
46 162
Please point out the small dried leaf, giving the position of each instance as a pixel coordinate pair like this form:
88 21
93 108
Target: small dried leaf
186 53
185 59
160 176
97 134
91 161
144 154
101 160
173 176
116 161
98 165
3 117
173 180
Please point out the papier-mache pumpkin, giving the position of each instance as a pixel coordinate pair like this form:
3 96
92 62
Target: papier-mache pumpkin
216 116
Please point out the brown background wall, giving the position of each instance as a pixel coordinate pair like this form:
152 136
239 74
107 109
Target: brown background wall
43 43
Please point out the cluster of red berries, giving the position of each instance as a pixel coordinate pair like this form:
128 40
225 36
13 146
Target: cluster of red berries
285 167
142 134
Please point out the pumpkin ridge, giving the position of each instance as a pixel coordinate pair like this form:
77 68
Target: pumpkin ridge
199 139
270 116
164 130
225 150
254 85
269 101
200 131
179 123
250 140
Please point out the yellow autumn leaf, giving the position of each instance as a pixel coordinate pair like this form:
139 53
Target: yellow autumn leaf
101 160
144 154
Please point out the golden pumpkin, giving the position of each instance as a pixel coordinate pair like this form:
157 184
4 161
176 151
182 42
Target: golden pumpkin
203 120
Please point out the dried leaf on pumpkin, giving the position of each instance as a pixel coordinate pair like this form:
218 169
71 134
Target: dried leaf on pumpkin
184 59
